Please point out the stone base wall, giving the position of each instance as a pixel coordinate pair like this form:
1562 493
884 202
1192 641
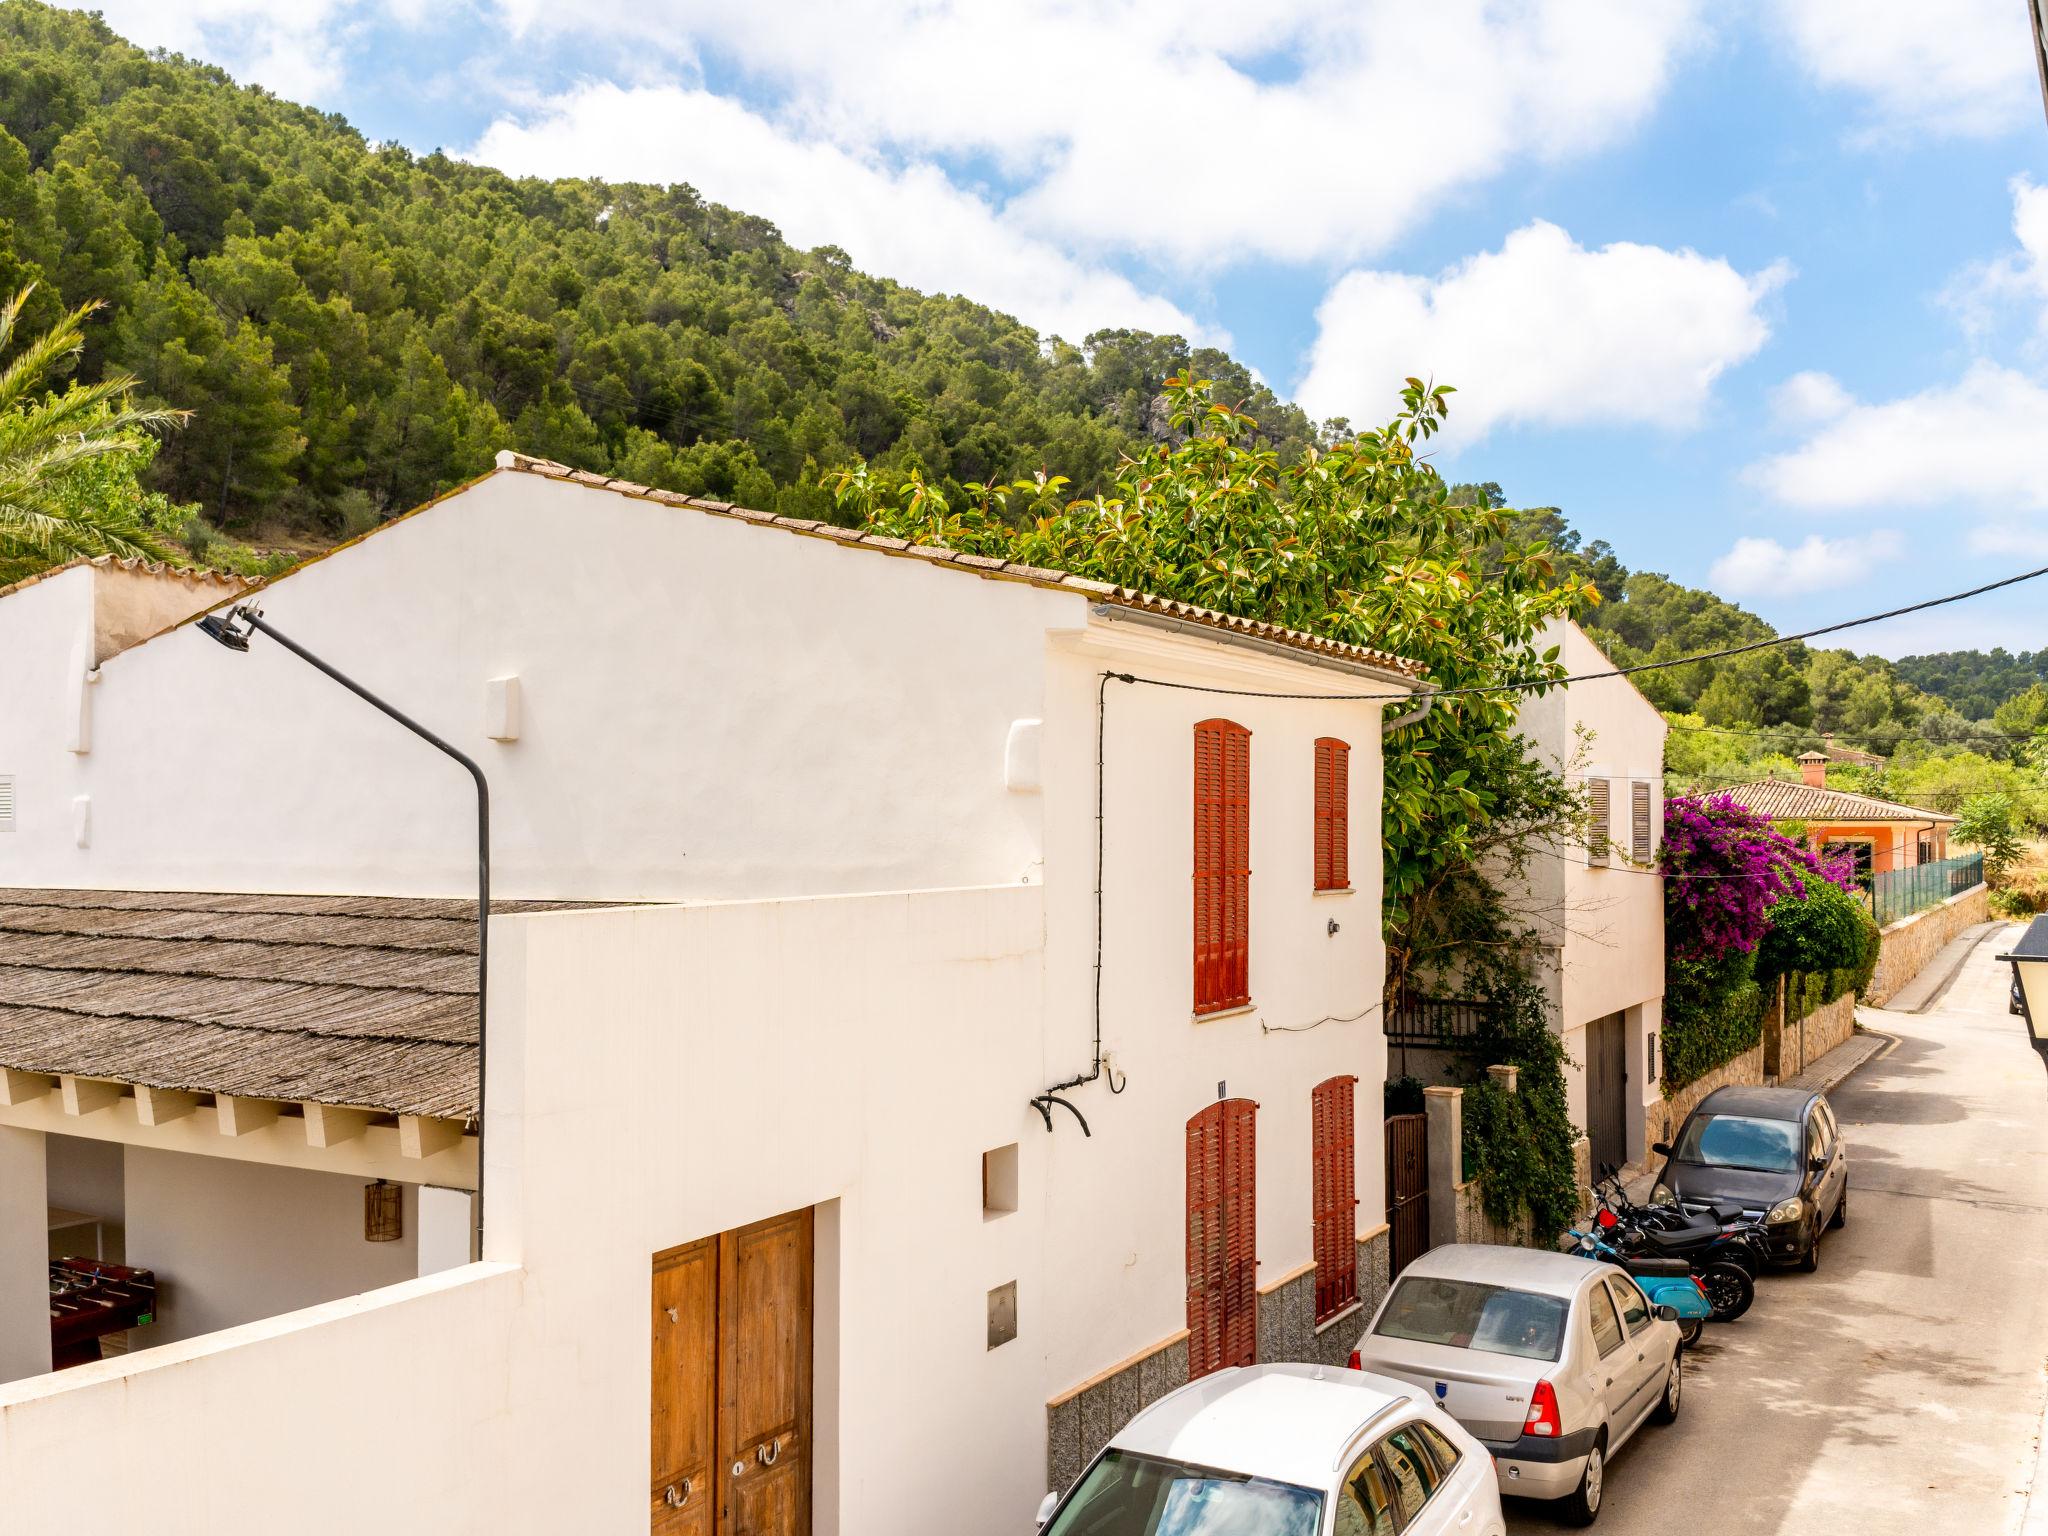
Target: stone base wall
1747 1068
1475 1226
1080 1422
1913 941
1829 1025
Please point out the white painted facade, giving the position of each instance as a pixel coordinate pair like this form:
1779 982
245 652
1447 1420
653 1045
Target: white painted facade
1603 918
765 735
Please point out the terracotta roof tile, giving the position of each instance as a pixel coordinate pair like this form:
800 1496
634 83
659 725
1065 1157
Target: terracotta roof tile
989 567
224 579
1783 800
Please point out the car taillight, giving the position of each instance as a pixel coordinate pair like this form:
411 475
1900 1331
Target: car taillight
1355 1362
1543 1419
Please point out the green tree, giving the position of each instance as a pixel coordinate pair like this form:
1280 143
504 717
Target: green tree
1990 823
2023 714
1357 542
53 445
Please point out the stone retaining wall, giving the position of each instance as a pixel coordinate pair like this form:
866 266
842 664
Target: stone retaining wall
1746 1068
1080 1422
1913 941
1791 1046
1475 1226
1829 1025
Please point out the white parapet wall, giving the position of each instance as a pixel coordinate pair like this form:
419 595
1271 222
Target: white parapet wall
391 1409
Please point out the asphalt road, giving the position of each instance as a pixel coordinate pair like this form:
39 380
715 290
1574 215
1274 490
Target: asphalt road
1900 1389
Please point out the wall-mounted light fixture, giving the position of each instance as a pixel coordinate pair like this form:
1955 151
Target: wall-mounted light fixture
383 1212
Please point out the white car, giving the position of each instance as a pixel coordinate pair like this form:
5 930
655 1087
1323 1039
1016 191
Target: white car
1285 1450
1551 1360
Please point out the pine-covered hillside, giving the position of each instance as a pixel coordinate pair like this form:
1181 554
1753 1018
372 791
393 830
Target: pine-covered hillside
355 327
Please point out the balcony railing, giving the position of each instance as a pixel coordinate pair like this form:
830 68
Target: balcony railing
1897 893
1435 1021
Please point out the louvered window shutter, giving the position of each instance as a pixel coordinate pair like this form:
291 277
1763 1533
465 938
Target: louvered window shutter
1205 1241
1222 960
1639 822
1222 1225
1333 814
1240 1232
1334 1197
1597 834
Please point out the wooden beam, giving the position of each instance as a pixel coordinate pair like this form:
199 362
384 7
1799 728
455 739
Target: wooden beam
83 1095
160 1106
329 1126
238 1116
23 1087
424 1135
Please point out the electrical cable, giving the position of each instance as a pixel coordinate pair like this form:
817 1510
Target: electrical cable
1043 1102
1328 1018
1527 684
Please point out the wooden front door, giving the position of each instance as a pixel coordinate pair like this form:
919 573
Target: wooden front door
731 1410
1607 1091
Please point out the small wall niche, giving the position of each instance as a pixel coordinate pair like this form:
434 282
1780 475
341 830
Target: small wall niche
999 1182
1002 1314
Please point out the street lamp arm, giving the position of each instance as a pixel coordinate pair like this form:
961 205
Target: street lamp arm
225 632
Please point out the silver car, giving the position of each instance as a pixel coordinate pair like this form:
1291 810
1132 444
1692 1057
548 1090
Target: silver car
1550 1360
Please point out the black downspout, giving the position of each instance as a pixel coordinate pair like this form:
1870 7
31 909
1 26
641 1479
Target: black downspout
483 866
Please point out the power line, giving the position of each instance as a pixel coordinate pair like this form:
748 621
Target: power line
1528 684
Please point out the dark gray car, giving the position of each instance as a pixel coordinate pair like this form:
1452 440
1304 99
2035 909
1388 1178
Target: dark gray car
1776 1153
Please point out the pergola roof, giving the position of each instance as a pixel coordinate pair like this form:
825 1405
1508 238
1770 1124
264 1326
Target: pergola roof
364 1001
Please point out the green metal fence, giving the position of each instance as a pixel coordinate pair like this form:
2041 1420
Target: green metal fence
1897 893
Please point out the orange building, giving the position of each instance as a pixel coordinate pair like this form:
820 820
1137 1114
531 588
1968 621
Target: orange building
1881 835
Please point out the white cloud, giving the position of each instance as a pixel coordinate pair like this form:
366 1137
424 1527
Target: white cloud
1544 332
2010 539
1985 294
1978 440
911 224
1957 67
292 49
1766 568
1203 132
1811 396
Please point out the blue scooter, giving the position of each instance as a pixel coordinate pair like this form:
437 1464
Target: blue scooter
1667 1282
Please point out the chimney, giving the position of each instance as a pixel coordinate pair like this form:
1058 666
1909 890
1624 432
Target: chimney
1813 768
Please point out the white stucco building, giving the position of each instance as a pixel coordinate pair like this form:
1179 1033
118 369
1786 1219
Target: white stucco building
1601 907
822 869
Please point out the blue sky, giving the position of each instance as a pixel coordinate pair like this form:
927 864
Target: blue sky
1756 291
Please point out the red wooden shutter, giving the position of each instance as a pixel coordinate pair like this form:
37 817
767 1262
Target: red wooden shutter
1205 1241
1240 1232
1223 751
1334 1197
1333 814
1222 1254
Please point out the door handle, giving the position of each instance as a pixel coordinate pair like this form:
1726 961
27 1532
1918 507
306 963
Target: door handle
678 1494
766 1454
671 1311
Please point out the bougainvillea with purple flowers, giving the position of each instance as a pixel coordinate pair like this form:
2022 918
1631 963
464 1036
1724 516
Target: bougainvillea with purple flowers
1724 865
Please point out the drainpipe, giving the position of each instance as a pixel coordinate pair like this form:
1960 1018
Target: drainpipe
1410 717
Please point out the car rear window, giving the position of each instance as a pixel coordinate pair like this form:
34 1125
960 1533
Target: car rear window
1466 1314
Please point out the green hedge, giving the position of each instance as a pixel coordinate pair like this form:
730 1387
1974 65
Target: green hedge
1713 1012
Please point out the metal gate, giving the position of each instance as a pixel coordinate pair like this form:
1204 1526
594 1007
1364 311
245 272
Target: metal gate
1407 1189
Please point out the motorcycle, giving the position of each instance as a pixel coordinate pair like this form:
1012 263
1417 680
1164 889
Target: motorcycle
1725 1253
1667 1282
